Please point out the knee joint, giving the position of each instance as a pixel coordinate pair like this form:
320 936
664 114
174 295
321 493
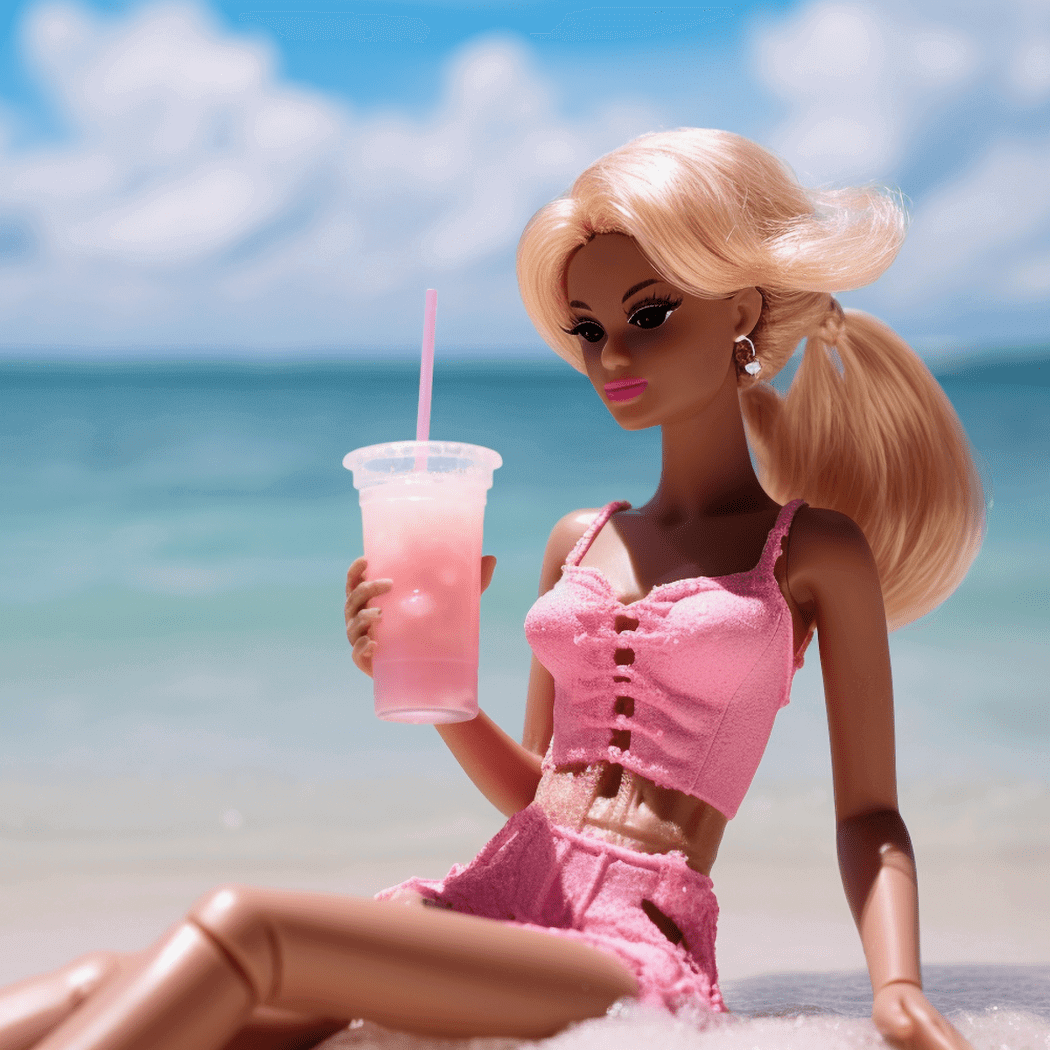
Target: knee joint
87 974
234 917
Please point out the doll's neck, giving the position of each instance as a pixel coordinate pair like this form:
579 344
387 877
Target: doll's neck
706 468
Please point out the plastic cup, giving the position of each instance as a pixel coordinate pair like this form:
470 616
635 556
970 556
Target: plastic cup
423 510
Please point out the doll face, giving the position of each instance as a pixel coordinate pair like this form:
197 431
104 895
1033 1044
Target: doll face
653 352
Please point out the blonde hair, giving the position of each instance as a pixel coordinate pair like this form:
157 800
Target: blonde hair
864 429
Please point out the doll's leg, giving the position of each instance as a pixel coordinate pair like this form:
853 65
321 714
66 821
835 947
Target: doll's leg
268 1028
31 1008
184 986
420 969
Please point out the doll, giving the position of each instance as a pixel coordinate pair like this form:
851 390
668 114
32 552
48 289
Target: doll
679 274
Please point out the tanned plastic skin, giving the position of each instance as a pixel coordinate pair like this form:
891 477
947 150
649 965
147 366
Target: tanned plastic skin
263 968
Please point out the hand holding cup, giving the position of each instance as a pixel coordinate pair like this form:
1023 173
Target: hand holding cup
361 617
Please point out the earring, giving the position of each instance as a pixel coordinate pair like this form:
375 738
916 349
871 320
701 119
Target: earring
749 363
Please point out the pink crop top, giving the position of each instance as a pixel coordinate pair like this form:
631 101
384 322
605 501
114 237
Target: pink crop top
688 697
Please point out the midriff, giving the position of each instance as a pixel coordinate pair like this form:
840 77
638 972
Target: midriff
624 808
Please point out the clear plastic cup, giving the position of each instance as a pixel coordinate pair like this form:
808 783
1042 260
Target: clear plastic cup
423 510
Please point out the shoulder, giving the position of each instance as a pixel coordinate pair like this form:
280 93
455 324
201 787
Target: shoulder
827 553
564 536
568 530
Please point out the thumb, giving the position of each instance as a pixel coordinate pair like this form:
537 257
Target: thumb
488 566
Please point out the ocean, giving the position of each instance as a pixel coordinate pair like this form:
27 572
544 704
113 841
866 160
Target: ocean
177 688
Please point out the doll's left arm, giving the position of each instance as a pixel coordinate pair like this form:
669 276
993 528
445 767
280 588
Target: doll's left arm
832 576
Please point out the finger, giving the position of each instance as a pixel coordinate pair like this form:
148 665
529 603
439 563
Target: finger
363 652
362 594
361 624
897 1029
355 574
908 1020
488 566
932 1032
893 1021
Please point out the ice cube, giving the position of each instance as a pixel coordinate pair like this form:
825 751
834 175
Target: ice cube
418 604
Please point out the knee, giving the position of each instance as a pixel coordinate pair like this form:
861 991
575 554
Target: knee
86 975
238 920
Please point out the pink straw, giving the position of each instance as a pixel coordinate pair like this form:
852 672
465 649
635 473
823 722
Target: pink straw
426 373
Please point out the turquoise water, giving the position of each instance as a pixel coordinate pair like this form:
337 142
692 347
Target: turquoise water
173 541
176 684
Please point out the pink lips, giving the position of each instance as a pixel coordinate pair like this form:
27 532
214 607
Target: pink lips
625 389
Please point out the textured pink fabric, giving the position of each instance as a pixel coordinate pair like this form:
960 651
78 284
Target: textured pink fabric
536 874
690 701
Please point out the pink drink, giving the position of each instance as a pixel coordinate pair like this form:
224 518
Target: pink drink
423 530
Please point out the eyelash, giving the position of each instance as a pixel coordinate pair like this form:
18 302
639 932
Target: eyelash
669 306
580 326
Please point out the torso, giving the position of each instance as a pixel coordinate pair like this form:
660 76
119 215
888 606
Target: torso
635 554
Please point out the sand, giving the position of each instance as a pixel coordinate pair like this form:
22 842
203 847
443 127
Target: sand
783 914
74 881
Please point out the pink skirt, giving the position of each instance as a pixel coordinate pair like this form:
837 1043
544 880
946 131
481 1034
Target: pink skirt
650 910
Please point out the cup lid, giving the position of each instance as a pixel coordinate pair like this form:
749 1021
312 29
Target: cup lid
376 464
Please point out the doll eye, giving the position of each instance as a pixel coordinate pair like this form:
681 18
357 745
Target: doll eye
653 312
589 330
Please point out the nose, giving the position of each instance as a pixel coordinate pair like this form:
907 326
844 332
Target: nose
614 354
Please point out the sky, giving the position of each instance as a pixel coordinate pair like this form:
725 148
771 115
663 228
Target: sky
263 177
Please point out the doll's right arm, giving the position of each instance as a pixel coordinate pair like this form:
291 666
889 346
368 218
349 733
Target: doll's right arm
507 773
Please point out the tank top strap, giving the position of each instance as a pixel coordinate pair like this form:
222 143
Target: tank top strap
781 527
584 542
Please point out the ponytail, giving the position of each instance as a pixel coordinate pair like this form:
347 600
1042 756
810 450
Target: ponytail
865 429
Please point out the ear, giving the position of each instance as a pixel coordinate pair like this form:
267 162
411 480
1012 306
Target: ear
748 303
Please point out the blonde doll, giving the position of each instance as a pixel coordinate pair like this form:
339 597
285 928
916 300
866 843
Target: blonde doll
679 273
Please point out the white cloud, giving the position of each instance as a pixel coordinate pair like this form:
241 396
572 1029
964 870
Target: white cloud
984 233
856 79
182 221
896 92
158 79
201 200
1028 75
181 143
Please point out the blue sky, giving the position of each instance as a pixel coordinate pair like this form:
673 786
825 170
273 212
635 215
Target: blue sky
260 176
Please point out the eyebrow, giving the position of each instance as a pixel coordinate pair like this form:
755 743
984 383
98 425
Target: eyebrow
579 304
638 287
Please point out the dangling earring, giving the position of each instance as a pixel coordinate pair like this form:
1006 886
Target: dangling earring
749 362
